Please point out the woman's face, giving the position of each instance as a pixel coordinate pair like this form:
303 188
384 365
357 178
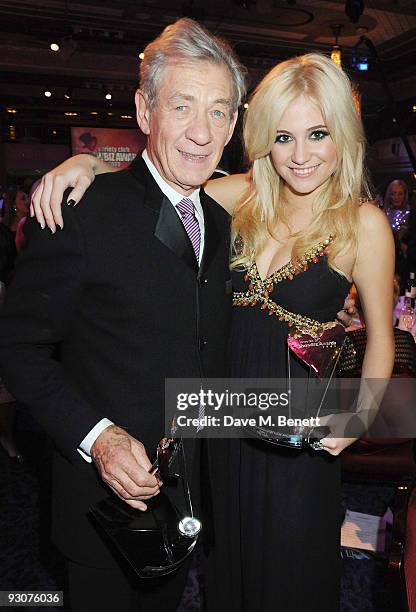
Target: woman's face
397 195
303 154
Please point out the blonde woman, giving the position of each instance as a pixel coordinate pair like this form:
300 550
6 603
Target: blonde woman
301 239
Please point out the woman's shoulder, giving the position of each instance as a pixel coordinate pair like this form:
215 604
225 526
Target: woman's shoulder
228 190
374 232
370 216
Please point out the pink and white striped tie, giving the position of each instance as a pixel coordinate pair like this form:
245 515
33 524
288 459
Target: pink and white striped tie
190 222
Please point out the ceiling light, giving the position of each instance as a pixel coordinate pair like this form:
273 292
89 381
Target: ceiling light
336 54
54 47
93 113
414 108
110 114
126 116
47 93
108 96
360 63
68 114
68 94
363 52
12 111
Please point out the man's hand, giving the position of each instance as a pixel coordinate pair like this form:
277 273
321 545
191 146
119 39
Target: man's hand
349 311
124 466
77 172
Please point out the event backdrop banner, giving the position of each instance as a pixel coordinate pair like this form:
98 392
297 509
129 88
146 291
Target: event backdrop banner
118 147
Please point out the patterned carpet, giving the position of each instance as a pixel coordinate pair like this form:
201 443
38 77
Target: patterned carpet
28 560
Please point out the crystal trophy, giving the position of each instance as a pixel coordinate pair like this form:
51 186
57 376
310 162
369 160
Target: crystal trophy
319 349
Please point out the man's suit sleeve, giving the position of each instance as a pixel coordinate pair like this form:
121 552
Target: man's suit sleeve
49 279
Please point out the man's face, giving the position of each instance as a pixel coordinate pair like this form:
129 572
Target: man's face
190 124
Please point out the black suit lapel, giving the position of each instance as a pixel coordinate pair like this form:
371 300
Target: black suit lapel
169 228
212 236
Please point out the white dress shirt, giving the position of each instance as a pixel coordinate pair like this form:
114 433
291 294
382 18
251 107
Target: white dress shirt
174 197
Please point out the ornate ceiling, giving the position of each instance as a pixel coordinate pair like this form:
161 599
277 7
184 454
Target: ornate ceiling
100 42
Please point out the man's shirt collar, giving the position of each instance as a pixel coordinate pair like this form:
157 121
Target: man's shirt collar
173 196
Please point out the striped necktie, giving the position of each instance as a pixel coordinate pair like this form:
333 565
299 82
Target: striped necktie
190 222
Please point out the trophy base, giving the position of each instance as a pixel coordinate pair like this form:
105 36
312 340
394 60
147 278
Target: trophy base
289 437
156 542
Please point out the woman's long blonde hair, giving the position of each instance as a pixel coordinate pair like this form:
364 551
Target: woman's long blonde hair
336 202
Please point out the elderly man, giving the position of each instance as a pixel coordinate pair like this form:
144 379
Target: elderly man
135 290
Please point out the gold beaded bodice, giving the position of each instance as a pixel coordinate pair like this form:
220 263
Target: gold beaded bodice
259 290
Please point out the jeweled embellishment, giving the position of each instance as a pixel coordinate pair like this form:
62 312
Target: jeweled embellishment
259 290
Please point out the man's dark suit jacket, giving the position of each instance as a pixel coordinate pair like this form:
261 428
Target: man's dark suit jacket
120 290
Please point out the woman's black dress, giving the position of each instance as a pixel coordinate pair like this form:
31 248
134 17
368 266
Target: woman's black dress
276 511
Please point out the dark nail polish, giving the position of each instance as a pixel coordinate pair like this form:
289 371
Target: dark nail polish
71 203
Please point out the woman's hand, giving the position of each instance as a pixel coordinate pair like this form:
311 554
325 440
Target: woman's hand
334 446
340 425
77 172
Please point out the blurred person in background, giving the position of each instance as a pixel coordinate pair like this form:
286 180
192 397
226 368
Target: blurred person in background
20 236
396 204
397 209
15 207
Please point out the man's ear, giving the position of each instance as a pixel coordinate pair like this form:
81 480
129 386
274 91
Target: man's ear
232 126
142 112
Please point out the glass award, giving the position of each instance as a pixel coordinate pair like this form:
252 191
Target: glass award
155 542
319 349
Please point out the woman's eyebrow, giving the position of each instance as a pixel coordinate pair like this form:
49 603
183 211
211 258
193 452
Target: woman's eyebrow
310 129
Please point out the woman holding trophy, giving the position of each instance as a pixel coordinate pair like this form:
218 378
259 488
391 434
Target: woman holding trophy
302 236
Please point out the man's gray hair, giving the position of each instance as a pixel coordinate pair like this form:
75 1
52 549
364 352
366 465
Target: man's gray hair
187 40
